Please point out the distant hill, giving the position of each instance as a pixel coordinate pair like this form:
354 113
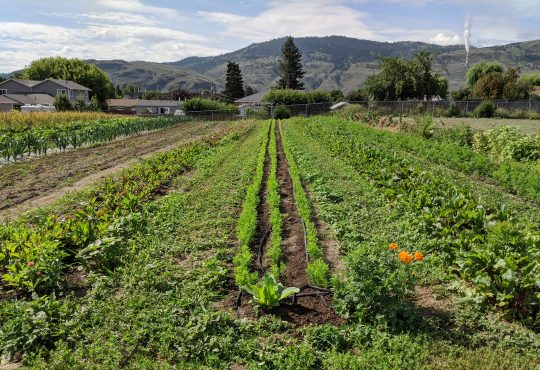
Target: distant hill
154 76
345 63
330 62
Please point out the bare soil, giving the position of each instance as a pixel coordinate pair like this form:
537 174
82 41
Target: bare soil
31 184
310 310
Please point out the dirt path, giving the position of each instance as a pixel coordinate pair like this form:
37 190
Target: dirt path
311 309
32 184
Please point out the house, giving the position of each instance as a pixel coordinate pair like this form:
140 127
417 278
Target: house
31 99
535 90
38 89
252 100
6 104
143 106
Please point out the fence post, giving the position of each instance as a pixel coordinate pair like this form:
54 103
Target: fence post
212 116
467 107
306 110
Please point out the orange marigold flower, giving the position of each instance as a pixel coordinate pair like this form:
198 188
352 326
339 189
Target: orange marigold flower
393 246
405 257
418 256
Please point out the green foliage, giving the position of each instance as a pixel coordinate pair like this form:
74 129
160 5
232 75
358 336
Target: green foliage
358 95
479 70
153 94
276 218
462 94
247 222
455 220
203 104
505 271
406 79
290 67
453 110
28 326
424 126
317 269
62 103
507 143
75 70
486 109
16 142
377 287
268 292
337 95
281 112
490 81
234 83
34 255
292 97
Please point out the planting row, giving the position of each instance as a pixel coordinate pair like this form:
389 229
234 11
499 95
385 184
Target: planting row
36 252
268 291
522 178
18 142
317 268
484 245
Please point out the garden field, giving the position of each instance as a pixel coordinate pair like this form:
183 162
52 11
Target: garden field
306 243
527 126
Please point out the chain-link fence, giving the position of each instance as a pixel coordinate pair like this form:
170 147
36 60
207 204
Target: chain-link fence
399 107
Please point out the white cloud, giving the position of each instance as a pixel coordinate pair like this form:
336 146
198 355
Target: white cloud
296 18
443 39
24 42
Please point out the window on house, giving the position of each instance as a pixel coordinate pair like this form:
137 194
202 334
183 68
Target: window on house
3 91
61 91
71 93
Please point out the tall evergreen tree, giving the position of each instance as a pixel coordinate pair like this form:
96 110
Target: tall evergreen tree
290 67
234 84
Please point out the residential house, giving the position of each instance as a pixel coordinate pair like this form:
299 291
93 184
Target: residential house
42 92
143 106
6 104
252 100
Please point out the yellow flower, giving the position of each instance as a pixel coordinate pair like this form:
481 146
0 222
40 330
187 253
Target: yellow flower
418 256
393 246
405 257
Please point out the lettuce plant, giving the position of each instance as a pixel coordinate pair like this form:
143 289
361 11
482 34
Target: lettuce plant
268 292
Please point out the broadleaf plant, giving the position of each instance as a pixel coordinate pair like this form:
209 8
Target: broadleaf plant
268 292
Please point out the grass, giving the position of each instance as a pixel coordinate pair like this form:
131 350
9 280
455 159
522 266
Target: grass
527 126
162 307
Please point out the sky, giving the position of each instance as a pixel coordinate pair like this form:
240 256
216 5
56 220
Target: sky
167 30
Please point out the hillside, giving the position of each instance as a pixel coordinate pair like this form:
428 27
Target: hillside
154 76
330 62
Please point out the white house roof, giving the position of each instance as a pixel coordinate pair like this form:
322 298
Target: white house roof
255 98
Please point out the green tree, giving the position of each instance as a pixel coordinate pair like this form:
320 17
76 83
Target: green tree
94 104
118 92
250 91
400 79
337 95
479 70
234 83
290 67
75 70
62 103
80 104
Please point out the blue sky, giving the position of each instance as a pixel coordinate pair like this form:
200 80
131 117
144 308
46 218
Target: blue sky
167 30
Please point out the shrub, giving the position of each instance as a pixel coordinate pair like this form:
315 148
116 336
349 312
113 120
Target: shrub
507 143
452 111
282 112
62 103
461 134
486 109
377 286
293 97
502 113
203 104
424 126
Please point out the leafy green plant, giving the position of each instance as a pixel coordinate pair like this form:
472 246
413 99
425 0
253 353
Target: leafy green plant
281 112
486 109
276 218
268 292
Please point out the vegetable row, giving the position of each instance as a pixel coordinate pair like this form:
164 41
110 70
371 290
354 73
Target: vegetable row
484 245
16 143
36 251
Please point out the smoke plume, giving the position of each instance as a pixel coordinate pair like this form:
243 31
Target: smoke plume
467 36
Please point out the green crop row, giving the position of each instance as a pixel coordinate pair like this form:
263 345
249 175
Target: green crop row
247 222
276 218
317 268
17 142
483 245
35 252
